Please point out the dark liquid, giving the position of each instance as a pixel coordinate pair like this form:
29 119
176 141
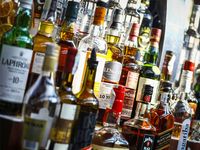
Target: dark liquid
10 109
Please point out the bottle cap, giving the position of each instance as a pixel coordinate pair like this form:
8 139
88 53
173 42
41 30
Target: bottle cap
155 34
101 3
148 91
119 99
117 18
26 3
188 65
70 59
72 10
134 31
100 13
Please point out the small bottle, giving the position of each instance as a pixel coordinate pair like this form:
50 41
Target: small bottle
139 132
67 37
162 118
109 136
88 106
41 103
61 132
113 65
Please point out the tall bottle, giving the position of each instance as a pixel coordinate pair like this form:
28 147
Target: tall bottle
130 73
62 131
15 56
109 136
139 132
88 107
113 64
43 36
41 103
67 37
150 73
92 40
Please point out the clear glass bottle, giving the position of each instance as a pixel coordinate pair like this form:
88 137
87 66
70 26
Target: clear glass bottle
88 106
92 40
41 103
139 131
109 136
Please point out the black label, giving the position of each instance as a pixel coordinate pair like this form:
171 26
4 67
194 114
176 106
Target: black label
163 139
148 141
85 128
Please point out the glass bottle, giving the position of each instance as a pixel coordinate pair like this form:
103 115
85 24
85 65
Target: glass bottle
67 37
15 57
92 40
162 118
139 132
150 73
43 36
88 107
113 65
130 73
41 103
109 136
61 132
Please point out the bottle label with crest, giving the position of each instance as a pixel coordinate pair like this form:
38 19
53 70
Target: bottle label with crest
148 142
38 61
154 83
14 68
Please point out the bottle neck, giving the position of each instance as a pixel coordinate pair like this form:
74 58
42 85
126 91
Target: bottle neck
23 18
164 101
95 30
110 118
152 56
142 110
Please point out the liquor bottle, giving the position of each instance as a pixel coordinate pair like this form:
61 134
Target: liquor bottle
113 64
197 94
15 57
61 132
109 136
44 35
88 107
162 118
145 32
67 37
150 73
92 40
139 132
130 73
41 103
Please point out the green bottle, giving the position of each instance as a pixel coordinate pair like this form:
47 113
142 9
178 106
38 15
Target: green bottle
15 59
150 73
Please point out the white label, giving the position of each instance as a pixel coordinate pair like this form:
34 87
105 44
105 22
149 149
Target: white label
59 146
153 83
38 63
184 134
106 95
14 69
132 80
68 111
186 80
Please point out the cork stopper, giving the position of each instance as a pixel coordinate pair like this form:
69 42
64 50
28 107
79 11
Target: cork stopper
51 57
100 13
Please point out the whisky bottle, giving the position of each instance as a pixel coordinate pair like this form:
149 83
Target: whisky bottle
109 136
113 65
61 132
43 36
139 132
130 73
67 37
150 73
88 107
41 103
162 118
15 58
92 40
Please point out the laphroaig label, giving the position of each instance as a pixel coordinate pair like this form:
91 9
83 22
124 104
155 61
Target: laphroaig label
14 68
38 62
153 83
148 141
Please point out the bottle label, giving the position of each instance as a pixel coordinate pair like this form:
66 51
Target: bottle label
106 95
59 146
186 81
85 127
153 83
132 80
38 62
148 141
162 140
14 68
128 103
99 147
68 111
112 71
